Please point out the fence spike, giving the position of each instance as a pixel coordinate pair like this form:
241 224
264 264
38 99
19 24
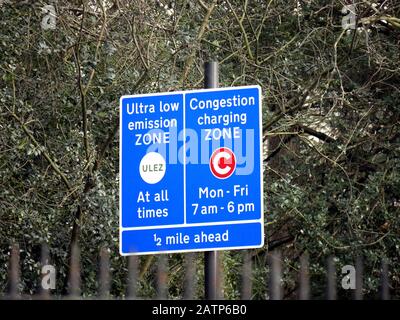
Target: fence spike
385 294
162 277
358 293
190 277
44 293
133 273
74 274
304 281
275 277
14 273
104 277
331 277
246 281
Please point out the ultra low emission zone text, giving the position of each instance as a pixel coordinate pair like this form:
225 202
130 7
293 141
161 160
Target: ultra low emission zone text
194 104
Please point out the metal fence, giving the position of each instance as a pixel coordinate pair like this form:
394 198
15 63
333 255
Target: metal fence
274 283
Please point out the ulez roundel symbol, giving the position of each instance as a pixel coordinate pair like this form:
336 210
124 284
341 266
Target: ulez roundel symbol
152 167
191 171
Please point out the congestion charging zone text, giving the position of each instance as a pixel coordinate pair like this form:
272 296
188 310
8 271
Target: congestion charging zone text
190 185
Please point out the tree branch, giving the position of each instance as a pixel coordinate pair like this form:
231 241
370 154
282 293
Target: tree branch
297 106
43 150
301 129
200 34
246 39
82 92
320 135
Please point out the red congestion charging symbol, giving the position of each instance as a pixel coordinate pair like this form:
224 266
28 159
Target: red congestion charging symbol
222 163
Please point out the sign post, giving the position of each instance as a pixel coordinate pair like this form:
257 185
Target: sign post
191 172
211 259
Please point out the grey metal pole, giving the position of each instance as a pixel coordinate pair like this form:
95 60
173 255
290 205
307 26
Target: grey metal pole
211 258
211 75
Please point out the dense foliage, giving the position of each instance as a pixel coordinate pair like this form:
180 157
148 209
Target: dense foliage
331 112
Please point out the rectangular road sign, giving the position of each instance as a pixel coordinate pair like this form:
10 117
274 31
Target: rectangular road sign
191 171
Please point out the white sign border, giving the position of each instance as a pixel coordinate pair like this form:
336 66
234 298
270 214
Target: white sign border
261 220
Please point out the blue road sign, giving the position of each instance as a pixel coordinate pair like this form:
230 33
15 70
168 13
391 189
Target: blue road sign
191 171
